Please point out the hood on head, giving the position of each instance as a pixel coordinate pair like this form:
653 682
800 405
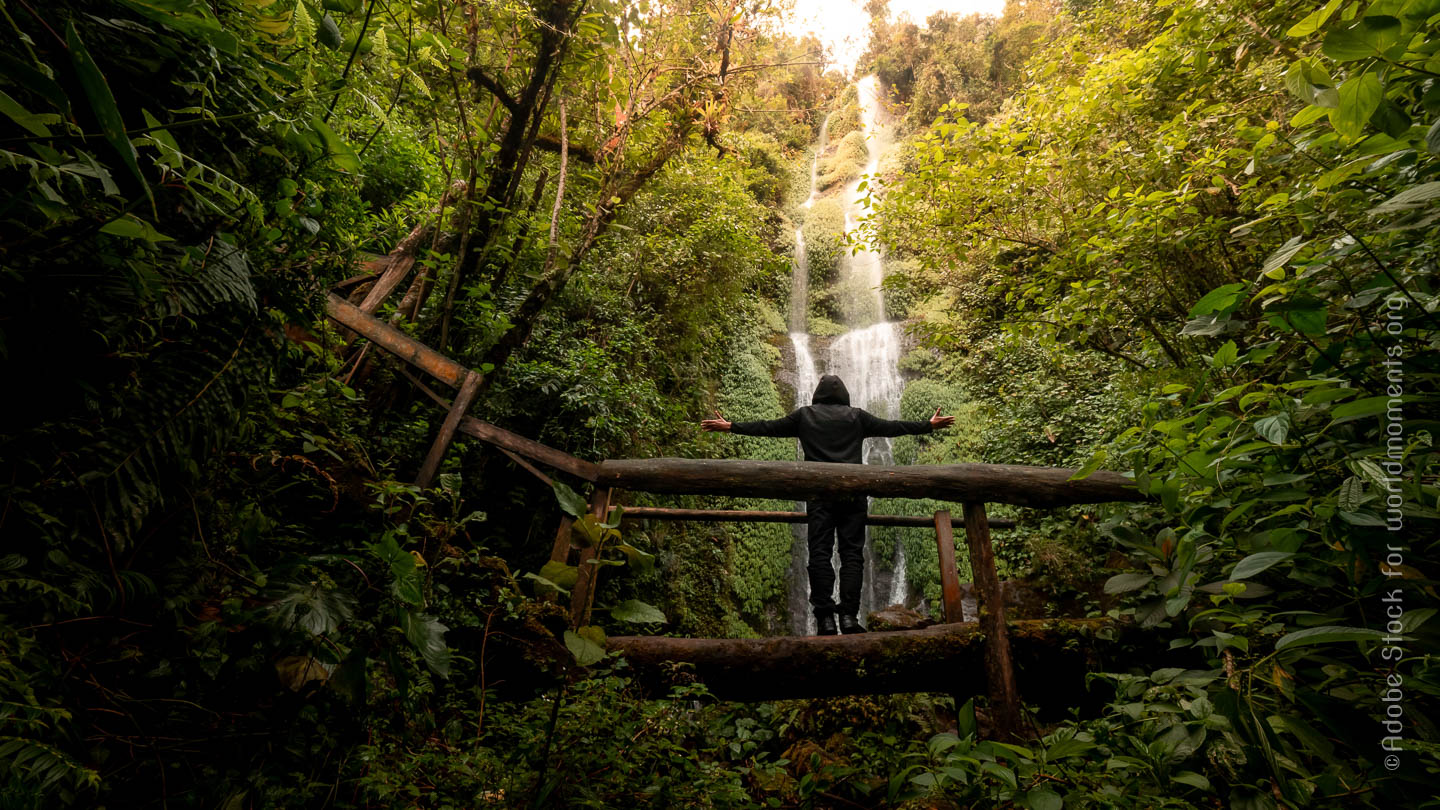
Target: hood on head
830 391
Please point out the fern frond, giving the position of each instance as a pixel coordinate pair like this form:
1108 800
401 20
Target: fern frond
37 764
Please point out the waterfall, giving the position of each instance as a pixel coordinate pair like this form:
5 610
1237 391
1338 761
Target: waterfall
866 358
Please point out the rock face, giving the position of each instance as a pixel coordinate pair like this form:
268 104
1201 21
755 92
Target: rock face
1022 601
896 617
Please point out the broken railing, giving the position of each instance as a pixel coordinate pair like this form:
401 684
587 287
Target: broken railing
971 485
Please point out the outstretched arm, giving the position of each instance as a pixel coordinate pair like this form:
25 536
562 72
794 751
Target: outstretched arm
875 426
784 426
719 423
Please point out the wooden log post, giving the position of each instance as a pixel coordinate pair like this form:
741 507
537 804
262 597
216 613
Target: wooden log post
949 575
560 549
469 387
585 582
999 671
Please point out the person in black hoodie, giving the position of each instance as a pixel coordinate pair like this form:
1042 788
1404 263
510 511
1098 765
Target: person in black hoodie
830 430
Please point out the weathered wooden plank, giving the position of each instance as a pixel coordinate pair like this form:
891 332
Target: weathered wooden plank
396 342
760 516
999 670
509 442
395 272
808 480
463 400
949 575
529 448
1055 654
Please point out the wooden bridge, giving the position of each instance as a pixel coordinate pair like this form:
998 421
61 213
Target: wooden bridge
942 658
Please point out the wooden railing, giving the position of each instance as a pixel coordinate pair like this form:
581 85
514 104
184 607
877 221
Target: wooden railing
971 485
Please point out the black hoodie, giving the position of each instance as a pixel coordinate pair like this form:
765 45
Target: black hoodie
829 429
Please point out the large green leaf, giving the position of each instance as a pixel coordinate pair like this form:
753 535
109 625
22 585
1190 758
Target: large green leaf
1370 36
1359 98
1274 429
329 33
1282 256
633 610
102 104
1314 21
584 646
1121 583
1410 198
36 82
560 573
187 17
336 148
35 124
1328 634
427 636
1369 406
570 501
1218 299
317 610
1257 562
642 562
1352 494
406 581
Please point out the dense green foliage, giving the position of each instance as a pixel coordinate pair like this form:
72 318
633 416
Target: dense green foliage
1205 255
1195 242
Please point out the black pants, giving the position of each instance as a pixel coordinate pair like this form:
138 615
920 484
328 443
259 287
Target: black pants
827 519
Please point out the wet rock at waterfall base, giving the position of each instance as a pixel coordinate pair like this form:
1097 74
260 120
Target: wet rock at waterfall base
896 617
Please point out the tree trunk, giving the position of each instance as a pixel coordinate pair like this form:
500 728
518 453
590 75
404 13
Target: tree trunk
556 28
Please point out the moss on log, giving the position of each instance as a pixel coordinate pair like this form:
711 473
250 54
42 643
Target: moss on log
1051 658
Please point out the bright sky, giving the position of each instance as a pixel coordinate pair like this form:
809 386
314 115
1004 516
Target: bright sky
844 26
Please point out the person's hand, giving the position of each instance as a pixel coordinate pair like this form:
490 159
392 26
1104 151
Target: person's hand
937 421
720 423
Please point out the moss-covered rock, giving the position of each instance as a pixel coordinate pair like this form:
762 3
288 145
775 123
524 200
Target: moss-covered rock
824 232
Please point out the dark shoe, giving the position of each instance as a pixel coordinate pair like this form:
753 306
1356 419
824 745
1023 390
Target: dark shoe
850 624
825 625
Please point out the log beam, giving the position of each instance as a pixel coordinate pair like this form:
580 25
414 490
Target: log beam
760 516
811 480
1053 654
504 439
395 271
396 342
